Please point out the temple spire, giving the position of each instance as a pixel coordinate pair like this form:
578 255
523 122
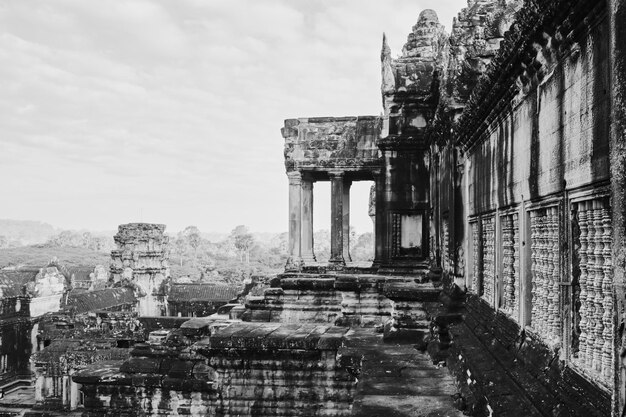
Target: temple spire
388 80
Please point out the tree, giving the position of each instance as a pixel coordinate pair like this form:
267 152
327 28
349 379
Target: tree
362 248
180 247
191 235
243 241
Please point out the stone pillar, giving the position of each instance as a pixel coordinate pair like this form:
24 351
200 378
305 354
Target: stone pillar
346 220
336 220
294 262
379 223
617 148
308 256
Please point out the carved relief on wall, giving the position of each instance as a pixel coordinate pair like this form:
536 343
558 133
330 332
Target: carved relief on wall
545 270
445 244
592 333
489 260
510 264
476 258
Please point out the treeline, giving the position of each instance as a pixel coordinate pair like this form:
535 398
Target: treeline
233 259
85 240
243 254
194 256
15 233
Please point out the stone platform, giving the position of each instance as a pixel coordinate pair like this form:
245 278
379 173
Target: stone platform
345 299
244 369
397 380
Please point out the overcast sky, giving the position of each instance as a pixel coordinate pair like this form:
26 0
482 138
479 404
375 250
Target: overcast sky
170 111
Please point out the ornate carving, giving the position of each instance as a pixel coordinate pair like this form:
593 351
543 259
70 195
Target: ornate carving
488 247
593 303
445 245
510 263
545 269
395 233
476 258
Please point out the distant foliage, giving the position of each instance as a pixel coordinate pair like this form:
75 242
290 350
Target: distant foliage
231 259
41 255
242 240
362 247
15 233
68 238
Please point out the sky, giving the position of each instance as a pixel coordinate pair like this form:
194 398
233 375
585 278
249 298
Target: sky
170 111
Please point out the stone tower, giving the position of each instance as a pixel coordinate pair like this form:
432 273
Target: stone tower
141 259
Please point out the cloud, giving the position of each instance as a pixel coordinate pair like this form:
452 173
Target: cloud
172 111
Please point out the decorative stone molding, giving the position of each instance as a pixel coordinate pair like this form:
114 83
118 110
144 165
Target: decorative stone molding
525 57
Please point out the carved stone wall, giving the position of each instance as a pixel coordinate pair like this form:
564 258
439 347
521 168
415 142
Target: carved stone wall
320 143
592 341
546 272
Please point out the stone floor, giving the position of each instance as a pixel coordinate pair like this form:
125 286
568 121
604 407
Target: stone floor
21 397
17 402
397 380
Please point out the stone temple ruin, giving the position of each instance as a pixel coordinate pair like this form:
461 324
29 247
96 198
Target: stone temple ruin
499 166
141 260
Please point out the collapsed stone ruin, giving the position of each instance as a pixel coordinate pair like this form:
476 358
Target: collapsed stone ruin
497 286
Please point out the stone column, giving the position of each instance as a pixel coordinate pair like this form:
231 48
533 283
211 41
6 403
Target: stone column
336 219
346 220
294 262
379 223
617 149
308 256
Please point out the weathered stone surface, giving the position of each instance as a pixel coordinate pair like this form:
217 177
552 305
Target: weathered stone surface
267 369
343 299
495 357
396 379
330 143
141 261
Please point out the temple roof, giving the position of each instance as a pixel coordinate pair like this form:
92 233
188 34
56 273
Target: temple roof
12 282
80 351
80 273
202 292
83 302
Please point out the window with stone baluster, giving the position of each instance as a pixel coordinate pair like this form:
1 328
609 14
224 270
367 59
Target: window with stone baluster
591 344
475 265
488 244
545 257
509 272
